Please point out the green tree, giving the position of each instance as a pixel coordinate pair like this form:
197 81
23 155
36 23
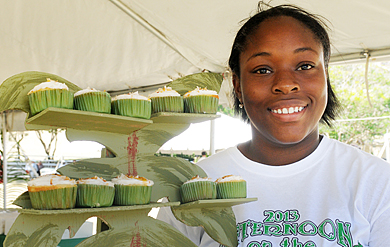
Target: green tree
226 110
359 123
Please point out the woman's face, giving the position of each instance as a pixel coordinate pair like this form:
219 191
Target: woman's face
283 81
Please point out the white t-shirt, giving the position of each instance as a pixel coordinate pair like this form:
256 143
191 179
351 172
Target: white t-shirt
336 196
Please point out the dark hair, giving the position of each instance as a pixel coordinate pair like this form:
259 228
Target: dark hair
313 22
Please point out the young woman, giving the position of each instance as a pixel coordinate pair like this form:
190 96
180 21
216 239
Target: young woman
311 190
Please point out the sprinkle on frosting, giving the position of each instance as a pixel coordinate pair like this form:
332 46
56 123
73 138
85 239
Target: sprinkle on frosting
95 181
51 179
49 84
163 92
84 91
197 179
201 91
134 95
132 180
229 178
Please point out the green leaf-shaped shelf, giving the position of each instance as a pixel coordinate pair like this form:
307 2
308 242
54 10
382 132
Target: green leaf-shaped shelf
83 120
214 203
132 144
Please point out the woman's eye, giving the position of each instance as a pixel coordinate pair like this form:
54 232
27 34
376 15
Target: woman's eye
262 71
305 67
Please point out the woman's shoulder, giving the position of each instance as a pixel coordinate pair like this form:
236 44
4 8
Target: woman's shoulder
220 156
357 160
220 161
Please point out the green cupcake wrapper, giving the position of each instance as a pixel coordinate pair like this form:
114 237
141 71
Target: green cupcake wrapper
201 104
40 100
200 190
132 108
167 104
94 196
126 195
62 198
94 102
228 190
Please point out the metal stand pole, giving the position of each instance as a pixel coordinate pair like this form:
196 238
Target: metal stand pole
212 137
5 173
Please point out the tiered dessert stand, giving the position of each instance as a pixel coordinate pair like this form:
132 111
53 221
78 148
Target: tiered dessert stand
132 144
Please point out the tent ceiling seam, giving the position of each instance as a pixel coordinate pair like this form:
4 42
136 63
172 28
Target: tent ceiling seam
147 25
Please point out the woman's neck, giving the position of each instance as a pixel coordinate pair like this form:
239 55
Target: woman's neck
269 153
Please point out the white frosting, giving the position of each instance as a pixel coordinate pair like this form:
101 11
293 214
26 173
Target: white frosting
164 92
134 95
200 91
95 181
48 180
197 179
229 178
84 91
130 180
49 84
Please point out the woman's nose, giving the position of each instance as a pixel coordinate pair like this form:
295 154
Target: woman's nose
285 84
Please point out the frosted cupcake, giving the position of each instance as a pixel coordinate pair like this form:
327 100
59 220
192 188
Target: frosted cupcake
198 188
231 186
132 105
166 100
93 100
50 94
201 100
132 190
52 192
95 192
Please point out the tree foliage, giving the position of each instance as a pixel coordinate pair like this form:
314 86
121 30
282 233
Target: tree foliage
359 123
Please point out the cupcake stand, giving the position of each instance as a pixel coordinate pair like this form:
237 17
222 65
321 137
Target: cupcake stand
132 144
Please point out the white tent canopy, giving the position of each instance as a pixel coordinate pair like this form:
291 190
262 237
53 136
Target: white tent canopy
115 45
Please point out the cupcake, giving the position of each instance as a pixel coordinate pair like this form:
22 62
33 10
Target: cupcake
50 94
201 100
132 190
52 192
198 188
131 105
94 192
231 186
90 99
166 100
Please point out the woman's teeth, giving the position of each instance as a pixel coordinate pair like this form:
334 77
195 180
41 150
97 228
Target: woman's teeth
288 110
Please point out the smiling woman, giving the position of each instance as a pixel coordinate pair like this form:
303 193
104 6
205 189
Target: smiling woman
282 68
312 190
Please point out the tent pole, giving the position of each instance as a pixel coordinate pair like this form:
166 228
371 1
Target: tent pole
212 137
387 144
5 173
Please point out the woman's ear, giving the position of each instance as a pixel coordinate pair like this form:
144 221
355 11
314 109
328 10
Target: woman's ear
237 86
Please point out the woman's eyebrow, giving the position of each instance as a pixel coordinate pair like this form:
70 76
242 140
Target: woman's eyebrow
258 55
298 50
303 49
